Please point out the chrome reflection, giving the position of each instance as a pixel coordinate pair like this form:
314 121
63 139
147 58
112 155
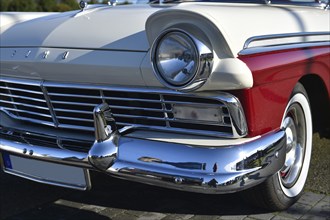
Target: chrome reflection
261 158
237 168
295 128
176 58
180 61
190 168
181 165
83 5
104 151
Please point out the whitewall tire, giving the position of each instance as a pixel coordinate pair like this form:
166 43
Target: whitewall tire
293 176
285 187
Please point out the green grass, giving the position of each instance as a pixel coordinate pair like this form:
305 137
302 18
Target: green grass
319 173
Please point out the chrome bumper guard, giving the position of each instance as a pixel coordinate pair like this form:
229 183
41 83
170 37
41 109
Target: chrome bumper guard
178 166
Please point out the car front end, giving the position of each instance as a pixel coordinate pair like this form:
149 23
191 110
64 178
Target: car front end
165 95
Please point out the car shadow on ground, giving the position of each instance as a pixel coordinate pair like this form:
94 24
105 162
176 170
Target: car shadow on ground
25 199
120 194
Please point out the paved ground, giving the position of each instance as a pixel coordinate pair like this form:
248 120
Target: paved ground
116 199
319 173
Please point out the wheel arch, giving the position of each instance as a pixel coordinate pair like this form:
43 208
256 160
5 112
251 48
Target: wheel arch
319 101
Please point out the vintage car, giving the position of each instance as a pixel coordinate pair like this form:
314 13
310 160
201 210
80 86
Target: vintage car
208 97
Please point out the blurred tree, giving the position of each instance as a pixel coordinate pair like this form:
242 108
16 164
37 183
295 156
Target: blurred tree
62 7
46 5
71 3
4 5
22 5
38 5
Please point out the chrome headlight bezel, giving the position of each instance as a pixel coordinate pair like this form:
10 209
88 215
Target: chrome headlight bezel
203 61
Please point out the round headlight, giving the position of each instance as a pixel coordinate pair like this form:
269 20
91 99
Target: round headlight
176 58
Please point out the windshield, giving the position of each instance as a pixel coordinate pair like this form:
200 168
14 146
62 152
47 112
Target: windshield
67 5
298 2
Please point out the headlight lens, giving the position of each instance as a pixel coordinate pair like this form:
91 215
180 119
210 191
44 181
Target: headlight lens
176 58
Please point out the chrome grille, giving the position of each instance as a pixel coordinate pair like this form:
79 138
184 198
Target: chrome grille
71 107
26 102
44 140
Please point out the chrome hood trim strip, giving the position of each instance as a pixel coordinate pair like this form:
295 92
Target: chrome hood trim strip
270 43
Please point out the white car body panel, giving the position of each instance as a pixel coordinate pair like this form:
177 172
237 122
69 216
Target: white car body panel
75 32
67 30
107 67
9 19
252 20
238 22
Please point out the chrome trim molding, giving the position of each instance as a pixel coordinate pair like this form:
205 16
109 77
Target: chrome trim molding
104 151
83 5
191 168
46 53
278 36
112 2
255 50
234 127
65 55
238 117
45 153
49 104
247 49
28 53
327 6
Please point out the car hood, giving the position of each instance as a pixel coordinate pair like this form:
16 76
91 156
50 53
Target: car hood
114 28
126 27
112 43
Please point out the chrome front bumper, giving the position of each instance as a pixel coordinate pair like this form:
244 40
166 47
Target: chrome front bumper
191 168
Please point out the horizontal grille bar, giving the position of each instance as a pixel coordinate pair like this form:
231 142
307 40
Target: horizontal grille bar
131 99
73 103
28 112
138 117
71 107
21 90
23 97
73 95
43 140
29 119
76 127
73 111
139 108
75 119
23 104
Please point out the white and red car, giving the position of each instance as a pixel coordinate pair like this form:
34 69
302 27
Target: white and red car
209 97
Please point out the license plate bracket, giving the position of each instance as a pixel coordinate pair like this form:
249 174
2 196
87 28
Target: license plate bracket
46 172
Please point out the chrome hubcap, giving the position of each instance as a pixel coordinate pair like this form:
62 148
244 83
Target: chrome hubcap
295 129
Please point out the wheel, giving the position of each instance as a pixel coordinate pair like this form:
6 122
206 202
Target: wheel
285 187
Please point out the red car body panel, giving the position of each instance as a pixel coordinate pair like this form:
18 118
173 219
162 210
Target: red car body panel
275 75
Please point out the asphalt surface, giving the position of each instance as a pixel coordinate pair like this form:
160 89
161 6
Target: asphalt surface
112 198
